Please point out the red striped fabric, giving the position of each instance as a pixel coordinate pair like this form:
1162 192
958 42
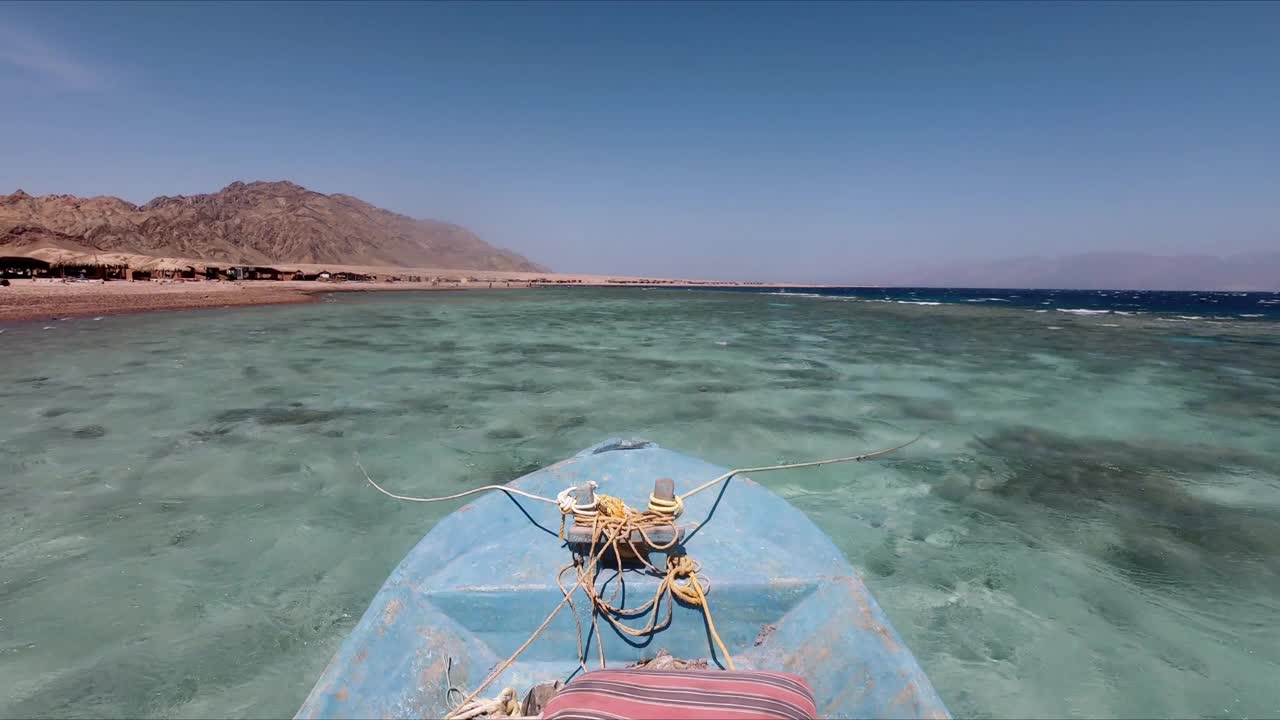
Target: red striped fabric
691 694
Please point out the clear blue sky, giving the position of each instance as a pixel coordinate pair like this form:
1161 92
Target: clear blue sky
789 141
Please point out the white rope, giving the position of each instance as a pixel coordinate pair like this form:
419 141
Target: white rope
565 500
792 466
473 491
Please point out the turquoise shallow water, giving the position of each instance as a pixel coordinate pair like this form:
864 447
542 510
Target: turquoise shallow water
1091 526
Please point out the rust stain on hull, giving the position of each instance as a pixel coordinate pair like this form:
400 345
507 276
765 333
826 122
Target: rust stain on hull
389 615
908 696
391 612
869 619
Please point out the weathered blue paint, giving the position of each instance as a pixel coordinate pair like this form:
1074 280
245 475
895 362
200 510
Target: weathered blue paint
471 592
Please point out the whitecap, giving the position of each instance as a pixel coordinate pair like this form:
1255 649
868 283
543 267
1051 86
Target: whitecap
1191 317
916 302
1082 311
1054 327
1249 315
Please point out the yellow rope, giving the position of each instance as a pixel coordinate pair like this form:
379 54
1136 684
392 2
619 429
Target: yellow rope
507 703
614 523
614 530
706 608
610 506
660 506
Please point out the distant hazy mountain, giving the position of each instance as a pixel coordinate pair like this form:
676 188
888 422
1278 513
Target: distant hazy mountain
248 222
1103 271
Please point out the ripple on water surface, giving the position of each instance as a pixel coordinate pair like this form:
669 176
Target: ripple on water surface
1091 526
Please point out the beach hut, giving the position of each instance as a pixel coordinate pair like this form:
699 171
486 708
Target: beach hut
270 273
259 272
16 266
352 276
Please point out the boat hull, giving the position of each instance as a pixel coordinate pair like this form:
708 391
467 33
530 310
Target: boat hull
477 585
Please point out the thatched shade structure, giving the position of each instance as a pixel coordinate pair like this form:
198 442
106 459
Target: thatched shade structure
98 266
166 267
22 266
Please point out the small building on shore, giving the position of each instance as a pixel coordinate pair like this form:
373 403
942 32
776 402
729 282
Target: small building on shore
352 277
259 272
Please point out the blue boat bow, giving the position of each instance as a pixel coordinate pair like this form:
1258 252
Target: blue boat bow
480 582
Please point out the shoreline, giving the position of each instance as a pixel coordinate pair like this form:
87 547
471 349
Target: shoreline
25 300
49 299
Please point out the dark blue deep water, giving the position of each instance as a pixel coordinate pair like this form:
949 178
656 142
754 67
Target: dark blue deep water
1191 305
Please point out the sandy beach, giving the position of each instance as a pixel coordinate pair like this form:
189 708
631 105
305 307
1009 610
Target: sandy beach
47 299
53 298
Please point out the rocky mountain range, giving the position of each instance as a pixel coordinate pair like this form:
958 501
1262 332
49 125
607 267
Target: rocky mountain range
257 222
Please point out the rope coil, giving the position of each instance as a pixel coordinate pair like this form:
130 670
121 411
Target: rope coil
671 508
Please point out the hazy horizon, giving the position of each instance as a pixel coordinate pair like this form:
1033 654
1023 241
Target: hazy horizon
799 142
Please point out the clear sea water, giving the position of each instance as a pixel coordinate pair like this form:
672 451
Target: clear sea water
1091 526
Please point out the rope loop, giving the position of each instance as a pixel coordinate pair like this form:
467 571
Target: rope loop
673 508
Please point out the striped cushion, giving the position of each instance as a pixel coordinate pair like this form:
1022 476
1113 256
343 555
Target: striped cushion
693 694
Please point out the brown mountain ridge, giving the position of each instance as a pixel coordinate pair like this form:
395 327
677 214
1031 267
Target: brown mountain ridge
257 222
